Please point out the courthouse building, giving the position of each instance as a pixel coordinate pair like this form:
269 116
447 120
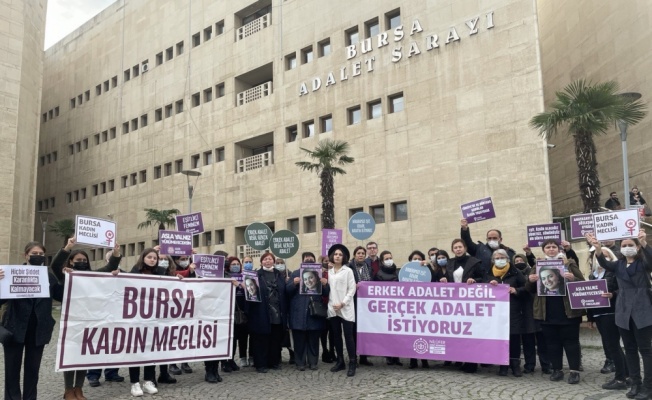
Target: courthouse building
434 98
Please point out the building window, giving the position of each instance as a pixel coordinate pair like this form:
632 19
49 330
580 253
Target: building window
195 100
353 115
291 61
78 146
87 95
134 179
169 53
372 28
219 28
351 36
396 103
98 90
219 236
134 124
105 136
95 190
111 185
399 211
353 211
85 144
72 103
159 59
324 47
208 95
97 138
112 133
158 114
326 123
219 90
125 127
291 133
76 195
143 176
140 247
196 40
71 149
80 99
180 48
68 200
378 212
54 156
56 111
309 224
106 84
127 75
219 154
309 129
45 117
83 193
208 238
195 241
374 109
208 157
124 181
49 158
42 161
132 249
114 82
208 33
167 169
52 199
102 187
168 111
293 225
157 172
136 70
51 114
143 120
178 166
306 55
393 19
194 161
179 106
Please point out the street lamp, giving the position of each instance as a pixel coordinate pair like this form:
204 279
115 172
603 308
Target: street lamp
43 217
191 189
622 126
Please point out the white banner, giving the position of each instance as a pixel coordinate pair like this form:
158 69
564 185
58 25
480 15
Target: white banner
95 231
131 319
22 281
616 225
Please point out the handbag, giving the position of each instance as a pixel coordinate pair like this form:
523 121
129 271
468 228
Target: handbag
239 316
317 309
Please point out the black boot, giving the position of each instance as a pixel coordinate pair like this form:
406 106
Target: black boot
503 370
608 367
292 361
351 371
216 371
226 367
413 363
424 364
515 364
174 370
326 357
233 365
339 365
210 375
633 391
365 361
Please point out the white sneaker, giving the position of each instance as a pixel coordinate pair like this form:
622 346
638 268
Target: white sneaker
136 391
149 387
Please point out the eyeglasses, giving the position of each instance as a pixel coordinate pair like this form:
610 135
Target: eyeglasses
372 248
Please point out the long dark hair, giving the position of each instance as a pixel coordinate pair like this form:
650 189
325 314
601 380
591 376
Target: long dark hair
140 264
72 256
437 267
560 279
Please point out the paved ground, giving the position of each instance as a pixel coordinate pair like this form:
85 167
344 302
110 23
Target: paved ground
377 382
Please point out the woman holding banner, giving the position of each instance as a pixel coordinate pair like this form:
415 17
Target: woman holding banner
439 264
388 272
560 323
633 307
26 327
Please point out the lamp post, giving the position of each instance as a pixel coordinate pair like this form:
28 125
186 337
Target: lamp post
43 217
622 127
191 189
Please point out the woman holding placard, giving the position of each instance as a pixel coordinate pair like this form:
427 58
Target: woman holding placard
26 327
633 312
560 323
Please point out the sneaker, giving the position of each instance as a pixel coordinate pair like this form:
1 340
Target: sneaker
167 378
557 375
574 378
93 382
114 378
149 388
174 370
186 368
244 362
608 367
136 391
615 385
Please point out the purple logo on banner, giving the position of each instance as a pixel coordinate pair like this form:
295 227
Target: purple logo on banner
537 234
208 265
588 294
478 210
436 321
581 224
329 237
191 223
175 243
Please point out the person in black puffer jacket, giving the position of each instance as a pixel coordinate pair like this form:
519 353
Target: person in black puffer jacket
388 273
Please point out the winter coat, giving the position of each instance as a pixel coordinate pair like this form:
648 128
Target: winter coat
472 269
633 300
299 312
612 287
387 274
356 274
540 301
521 320
59 262
258 312
482 251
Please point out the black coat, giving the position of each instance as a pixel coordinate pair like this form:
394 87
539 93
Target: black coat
482 251
299 313
258 312
612 287
472 269
521 317
59 262
386 274
16 317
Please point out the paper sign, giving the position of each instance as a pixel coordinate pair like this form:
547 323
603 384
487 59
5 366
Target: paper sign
252 288
551 278
95 231
191 223
537 234
588 294
284 244
581 224
616 225
175 243
310 282
362 225
208 265
258 235
478 210
414 272
329 237
22 281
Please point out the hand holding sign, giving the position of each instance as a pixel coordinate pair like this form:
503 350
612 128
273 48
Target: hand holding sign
71 243
642 238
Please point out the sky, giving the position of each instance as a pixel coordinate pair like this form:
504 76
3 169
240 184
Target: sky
64 16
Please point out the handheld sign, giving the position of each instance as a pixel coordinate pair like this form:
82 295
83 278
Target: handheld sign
414 272
23 281
95 231
329 237
478 210
310 282
551 277
588 294
191 223
616 225
252 288
537 234
362 225
258 235
581 224
208 265
284 244
175 243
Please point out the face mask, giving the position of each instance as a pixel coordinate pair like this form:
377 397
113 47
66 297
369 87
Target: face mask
36 260
268 269
163 263
248 266
442 262
500 263
184 264
388 263
520 266
234 269
280 267
433 259
416 260
494 244
80 265
557 257
626 251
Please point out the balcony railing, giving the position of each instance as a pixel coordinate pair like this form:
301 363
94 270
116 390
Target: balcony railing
255 162
254 26
245 250
255 93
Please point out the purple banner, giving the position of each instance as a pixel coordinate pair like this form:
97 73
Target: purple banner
175 243
329 237
208 265
478 210
191 223
588 294
436 321
537 234
580 225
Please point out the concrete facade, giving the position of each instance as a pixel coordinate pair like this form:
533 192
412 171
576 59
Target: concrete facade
459 134
22 30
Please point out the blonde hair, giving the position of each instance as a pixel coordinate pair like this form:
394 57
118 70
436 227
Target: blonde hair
610 257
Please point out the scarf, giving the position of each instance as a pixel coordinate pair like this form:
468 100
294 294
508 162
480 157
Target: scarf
500 273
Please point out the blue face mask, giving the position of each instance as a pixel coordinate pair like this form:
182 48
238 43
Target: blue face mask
234 269
442 262
248 266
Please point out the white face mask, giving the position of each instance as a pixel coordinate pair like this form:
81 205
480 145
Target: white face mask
280 267
494 244
433 258
557 257
628 251
163 263
500 263
389 262
184 264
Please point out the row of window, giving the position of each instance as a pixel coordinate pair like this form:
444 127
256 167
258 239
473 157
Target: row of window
86 96
49 158
53 113
202 160
208 33
45 204
197 98
399 212
307 54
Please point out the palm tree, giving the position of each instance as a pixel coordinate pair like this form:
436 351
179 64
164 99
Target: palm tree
327 156
588 110
164 218
64 228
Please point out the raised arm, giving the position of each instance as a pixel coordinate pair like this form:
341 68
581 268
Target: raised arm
465 234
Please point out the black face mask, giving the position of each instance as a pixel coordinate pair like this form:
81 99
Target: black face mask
520 266
36 260
80 266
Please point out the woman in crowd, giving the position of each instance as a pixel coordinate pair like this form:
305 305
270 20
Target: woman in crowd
417 256
232 270
552 283
247 265
633 313
388 272
636 197
267 318
27 326
183 267
311 282
252 289
66 261
439 265
327 339
559 322
341 306
361 272
281 267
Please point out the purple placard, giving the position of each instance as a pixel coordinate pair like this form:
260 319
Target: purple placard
588 294
310 282
208 265
252 288
436 321
551 280
537 234
191 223
580 225
329 237
175 243
478 210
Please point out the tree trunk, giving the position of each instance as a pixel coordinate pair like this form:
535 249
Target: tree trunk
327 192
587 168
